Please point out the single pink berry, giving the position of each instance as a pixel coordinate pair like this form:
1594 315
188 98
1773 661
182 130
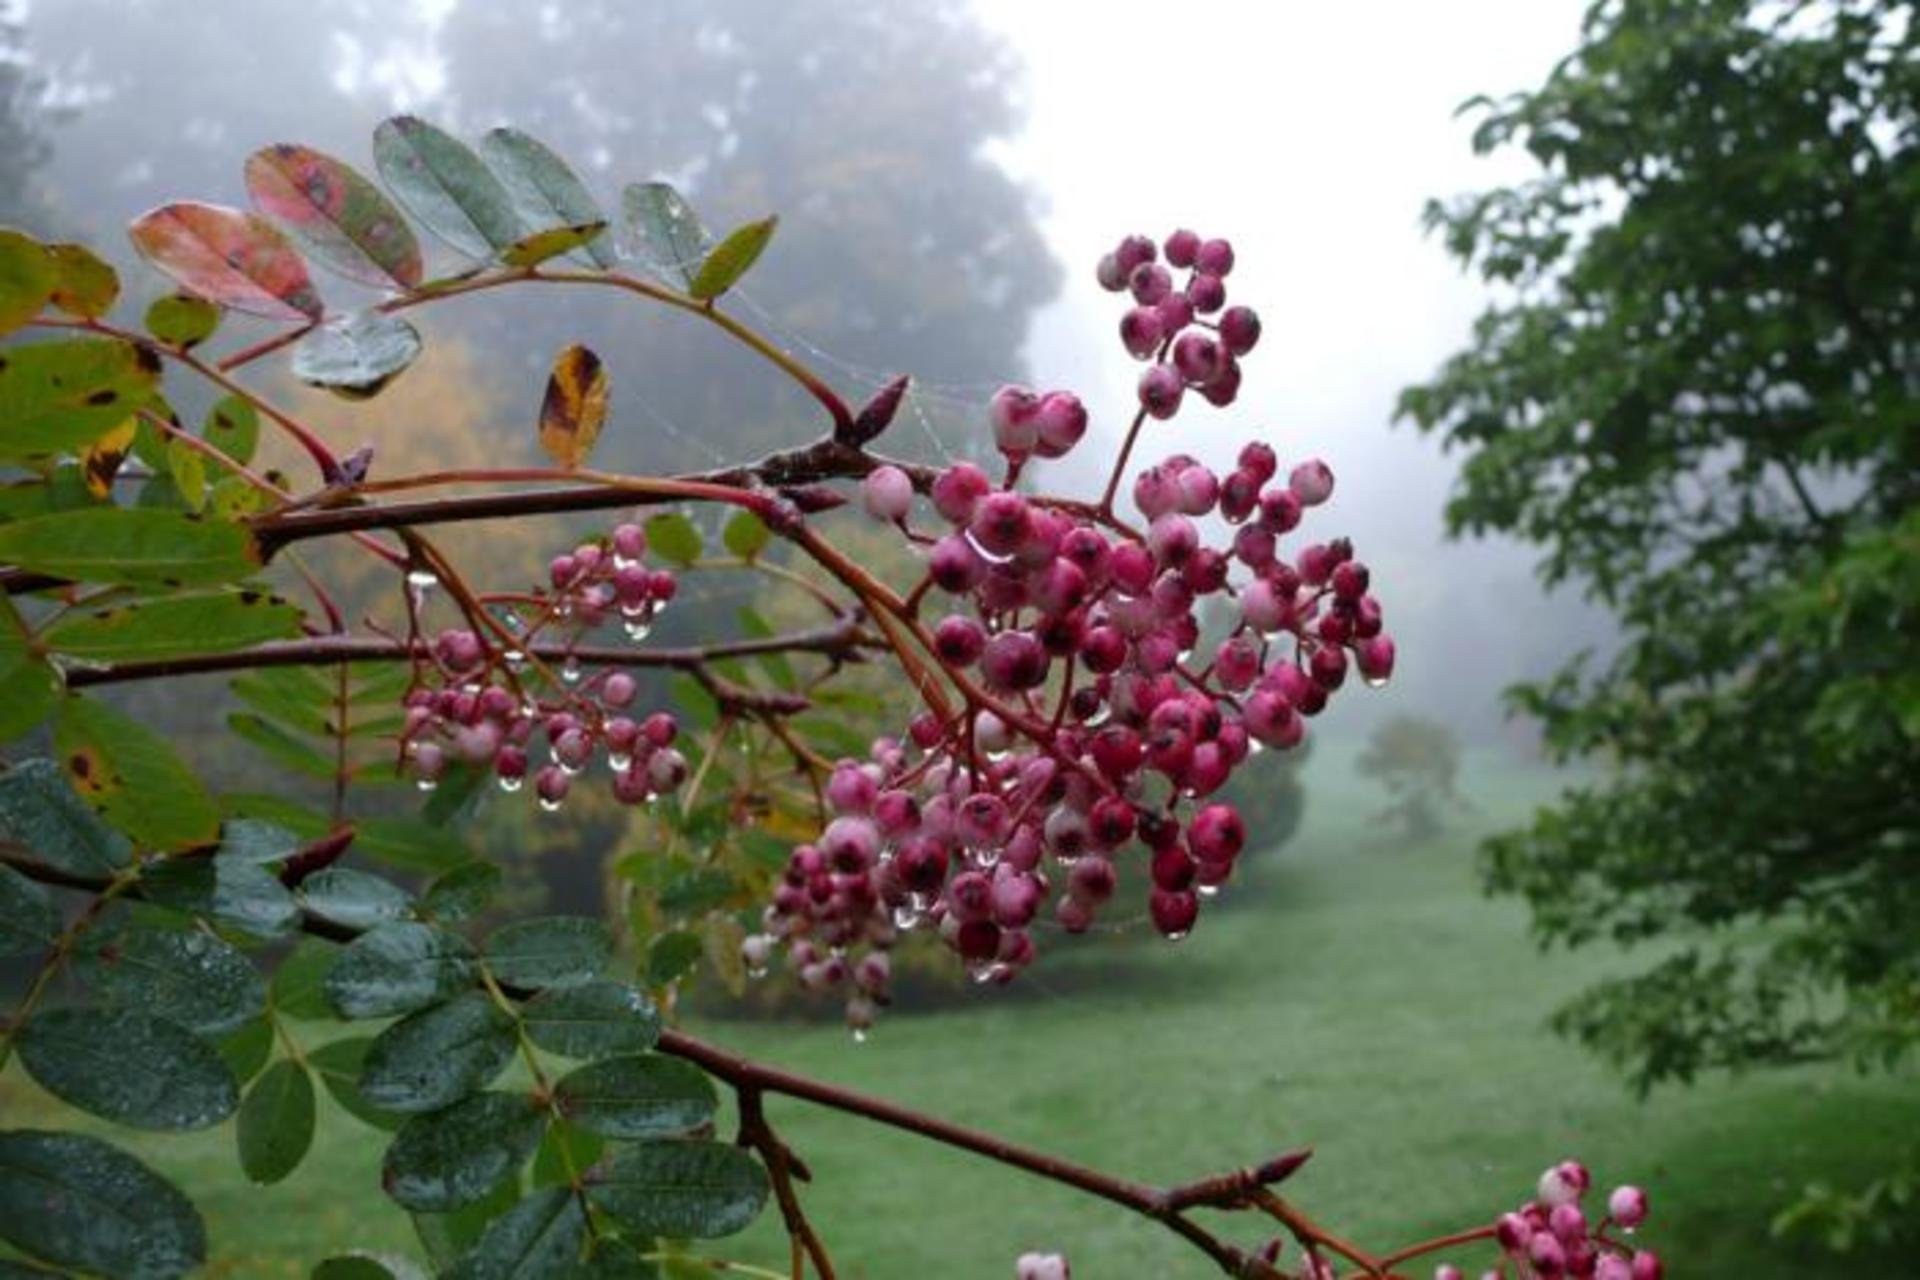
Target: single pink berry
887 494
1173 912
1001 522
1015 661
1141 331
1014 415
1062 422
1646 1266
958 489
959 641
1206 293
1280 510
1612 1266
1311 482
1149 283
1109 274
551 784
1182 247
1160 391
618 689
1239 329
1197 357
1627 1206
1041 1266
1214 257
629 541
1565 1182
1547 1254
1134 250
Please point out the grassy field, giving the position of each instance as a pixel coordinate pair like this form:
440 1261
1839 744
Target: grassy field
1366 1000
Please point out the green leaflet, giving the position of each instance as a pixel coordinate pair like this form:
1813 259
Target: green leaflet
129 1067
80 1202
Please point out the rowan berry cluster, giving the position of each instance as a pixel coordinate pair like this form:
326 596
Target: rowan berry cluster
1097 715
474 702
1551 1236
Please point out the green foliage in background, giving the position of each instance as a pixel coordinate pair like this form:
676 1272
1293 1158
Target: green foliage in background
1700 396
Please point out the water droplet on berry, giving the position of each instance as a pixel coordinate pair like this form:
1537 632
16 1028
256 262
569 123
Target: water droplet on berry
638 628
426 784
549 806
981 971
983 553
859 1035
906 918
756 971
1375 682
511 785
515 659
1209 890
422 579
1176 936
570 670
618 762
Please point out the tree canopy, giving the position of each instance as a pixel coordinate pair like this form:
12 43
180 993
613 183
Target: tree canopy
1699 394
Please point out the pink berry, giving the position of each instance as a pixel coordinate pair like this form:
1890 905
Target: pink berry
1014 415
1646 1266
1627 1206
1311 482
1239 329
1001 522
1062 422
1217 833
1206 293
1141 331
1182 247
1109 274
1041 1266
959 641
1015 661
1132 251
1173 912
887 494
958 489
1149 283
1160 390
629 541
618 689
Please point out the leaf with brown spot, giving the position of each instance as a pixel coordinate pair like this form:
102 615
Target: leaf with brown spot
100 463
130 774
230 257
84 285
59 397
575 407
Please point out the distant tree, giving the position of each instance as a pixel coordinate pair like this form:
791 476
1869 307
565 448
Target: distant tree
1700 395
1417 760
23 143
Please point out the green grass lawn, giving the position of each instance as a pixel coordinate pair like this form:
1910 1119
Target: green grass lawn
1365 1000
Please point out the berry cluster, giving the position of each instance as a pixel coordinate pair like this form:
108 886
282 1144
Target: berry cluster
1165 324
1089 722
470 703
1551 1236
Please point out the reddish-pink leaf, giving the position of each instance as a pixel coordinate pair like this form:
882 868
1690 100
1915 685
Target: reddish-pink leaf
230 257
336 214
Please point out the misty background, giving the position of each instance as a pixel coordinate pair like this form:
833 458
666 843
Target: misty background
946 176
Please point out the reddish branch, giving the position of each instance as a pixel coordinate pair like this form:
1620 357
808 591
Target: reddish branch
845 639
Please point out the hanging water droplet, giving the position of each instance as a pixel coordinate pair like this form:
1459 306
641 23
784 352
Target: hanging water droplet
549 806
623 562
426 784
515 659
1209 890
1255 746
511 785
638 628
1177 936
983 553
570 670
571 770
1375 682
422 579
859 1035
905 918
756 971
618 761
